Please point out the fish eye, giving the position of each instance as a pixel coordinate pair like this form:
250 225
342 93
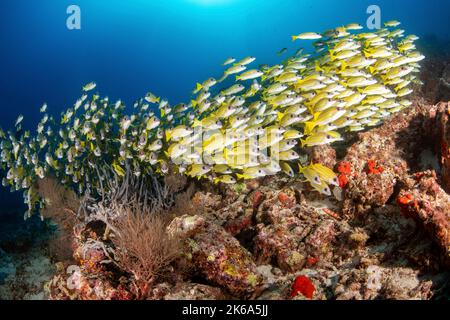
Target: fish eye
203 167
259 171
328 136
316 179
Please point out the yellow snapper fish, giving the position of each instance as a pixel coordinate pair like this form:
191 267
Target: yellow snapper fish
310 175
292 134
307 36
226 179
245 61
392 23
233 90
232 70
151 98
198 170
287 169
354 26
229 61
205 85
176 150
178 132
250 74
251 173
89 87
221 168
210 123
321 138
322 188
325 174
323 118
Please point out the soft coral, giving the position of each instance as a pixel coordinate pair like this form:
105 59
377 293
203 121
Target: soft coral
373 167
303 285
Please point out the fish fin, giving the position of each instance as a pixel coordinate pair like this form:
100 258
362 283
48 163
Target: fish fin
343 65
303 142
280 115
332 52
198 88
167 154
197 123
333 57
168 135
317 66
309 126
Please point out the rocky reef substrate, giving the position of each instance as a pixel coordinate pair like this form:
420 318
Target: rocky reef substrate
385 234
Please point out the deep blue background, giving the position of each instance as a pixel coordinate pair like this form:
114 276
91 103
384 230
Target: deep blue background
132 46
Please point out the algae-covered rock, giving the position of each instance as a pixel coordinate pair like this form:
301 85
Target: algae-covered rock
195 291
217 255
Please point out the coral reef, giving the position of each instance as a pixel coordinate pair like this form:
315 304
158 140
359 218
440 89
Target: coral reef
142 226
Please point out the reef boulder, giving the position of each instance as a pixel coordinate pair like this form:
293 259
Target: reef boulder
217 255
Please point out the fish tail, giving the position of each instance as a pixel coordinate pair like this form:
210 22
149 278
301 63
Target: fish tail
303 142
371 70
194 103
333 57
168 135
198 88
309 126
343 65
197 123
238 78
279 116
223 77
317 66
332 52
239 176
294 38
158 99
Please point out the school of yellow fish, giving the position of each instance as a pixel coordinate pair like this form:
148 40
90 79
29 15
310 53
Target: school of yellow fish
249 123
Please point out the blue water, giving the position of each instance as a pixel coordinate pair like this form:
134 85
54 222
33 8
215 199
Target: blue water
165 46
